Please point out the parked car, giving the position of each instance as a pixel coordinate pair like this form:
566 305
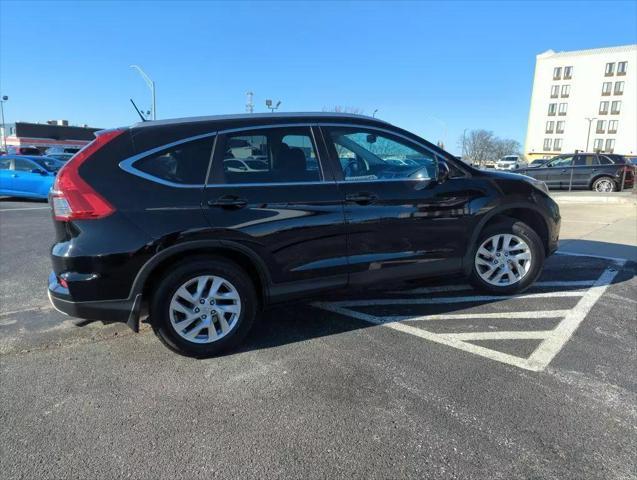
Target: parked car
24 151
245 165
538 162
64 157
598 172
162 225
58 150
27 177
508 162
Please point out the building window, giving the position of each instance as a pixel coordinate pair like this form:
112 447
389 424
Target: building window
560 127
598 144
601 126
603 108
555 91
610 145
621 68
547 144
557 73
612 126
549 126
619 88
610 69
606 88
615 107
568 73
563 107
566 91
552 108
557 144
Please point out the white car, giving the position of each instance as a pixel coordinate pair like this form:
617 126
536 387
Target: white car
509 162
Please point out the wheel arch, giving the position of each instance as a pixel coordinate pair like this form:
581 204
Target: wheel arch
154 269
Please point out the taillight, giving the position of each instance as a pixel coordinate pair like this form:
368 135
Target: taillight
74 199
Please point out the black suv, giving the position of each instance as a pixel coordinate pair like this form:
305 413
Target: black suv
201 222
598 172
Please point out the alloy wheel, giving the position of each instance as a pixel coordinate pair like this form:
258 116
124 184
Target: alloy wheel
604 185
205 309
503 259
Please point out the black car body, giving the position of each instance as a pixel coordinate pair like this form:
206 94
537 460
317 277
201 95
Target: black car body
136 204
592 171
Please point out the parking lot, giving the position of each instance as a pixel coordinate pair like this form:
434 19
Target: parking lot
419 380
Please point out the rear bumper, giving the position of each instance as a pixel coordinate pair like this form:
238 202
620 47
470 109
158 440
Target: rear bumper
123 310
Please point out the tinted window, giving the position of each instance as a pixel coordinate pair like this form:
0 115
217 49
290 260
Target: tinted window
603 160
273 155
186 163
562 162
5 163
586 160
370 155
23 165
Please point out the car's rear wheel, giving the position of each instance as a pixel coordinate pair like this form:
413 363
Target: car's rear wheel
203 307
508 258
604 184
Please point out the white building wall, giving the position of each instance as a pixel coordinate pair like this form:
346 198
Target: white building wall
588 76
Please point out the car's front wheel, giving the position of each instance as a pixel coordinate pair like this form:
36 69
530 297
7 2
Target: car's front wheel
203 307
604 184
507 258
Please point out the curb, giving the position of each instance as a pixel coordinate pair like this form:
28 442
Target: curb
566 199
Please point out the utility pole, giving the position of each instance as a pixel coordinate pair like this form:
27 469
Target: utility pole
3 99
151 85
590 121
374 114
249 102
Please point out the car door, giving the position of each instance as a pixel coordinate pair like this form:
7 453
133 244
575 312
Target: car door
25 181
401 222
586 166
6 176
557 173
288 210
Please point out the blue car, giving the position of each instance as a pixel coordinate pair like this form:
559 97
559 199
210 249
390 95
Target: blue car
26 176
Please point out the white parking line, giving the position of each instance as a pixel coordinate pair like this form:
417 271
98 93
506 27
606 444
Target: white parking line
552 340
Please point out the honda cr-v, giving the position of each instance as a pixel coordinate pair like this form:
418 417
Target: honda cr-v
202 222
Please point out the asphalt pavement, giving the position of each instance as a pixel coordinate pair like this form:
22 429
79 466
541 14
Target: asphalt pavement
421 380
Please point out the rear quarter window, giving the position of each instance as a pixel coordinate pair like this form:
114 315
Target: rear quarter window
185 164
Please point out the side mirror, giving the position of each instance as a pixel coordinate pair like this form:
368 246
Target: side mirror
443 171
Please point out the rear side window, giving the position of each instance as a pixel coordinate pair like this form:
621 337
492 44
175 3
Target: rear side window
605 160
186 163
5 163
272 155
586 161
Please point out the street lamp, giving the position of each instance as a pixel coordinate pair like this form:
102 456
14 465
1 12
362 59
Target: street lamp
588 138
374 114
4 130
151 85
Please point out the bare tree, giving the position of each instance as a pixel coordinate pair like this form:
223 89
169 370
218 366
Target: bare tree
479 146
344 109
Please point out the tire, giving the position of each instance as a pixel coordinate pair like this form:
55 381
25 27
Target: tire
604 184
235 283
527 273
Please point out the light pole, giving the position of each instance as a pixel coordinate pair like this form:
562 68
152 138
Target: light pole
151 85
374 114
588 138
4 130
268 104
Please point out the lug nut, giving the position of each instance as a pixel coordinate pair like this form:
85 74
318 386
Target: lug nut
212 302
197 310
203 316
202 301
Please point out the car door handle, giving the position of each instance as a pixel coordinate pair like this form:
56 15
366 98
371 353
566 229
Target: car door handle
563 170
362 198
228 201
15 175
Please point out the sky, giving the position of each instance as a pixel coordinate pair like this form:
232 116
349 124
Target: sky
435 68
